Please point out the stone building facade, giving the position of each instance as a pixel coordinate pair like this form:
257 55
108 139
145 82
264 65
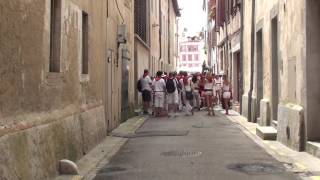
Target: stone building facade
67 79
281 69
156 39
227 18
209 6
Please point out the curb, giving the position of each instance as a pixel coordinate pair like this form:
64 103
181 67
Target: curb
104 151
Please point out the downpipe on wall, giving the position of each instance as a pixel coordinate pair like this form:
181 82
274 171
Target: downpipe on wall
253 21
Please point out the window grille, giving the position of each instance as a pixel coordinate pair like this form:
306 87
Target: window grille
140 17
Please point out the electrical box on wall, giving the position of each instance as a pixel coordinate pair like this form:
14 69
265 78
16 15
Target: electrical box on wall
121 37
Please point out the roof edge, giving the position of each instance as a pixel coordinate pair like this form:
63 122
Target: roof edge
176 7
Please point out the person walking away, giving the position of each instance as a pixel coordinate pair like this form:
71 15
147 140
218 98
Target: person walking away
159 86
201 84
218 82
146 90
172 94
210 92
179 88
196 93
226 95
182 92
164 111
188 95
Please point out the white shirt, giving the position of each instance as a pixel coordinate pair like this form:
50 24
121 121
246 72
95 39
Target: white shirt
188 86
146 83
159 86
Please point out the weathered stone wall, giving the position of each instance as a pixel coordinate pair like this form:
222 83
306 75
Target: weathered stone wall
291 61
115 17
45 117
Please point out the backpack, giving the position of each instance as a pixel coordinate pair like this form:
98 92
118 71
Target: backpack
171 88
139 85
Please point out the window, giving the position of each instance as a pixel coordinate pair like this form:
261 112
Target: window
192 48
184 57
190 65
55 36
140 18
85 35
182 48
196 57
190 57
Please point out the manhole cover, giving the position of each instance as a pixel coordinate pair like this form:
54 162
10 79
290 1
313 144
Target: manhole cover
256 168
181 154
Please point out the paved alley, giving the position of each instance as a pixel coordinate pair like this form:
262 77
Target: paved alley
192 147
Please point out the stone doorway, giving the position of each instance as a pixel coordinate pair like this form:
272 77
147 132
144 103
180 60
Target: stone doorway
259 72
313 70
236 76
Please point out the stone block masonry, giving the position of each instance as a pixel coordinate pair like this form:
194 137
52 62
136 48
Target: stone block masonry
264 119
34 153
291 127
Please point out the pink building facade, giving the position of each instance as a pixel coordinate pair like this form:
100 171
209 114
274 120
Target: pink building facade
191 56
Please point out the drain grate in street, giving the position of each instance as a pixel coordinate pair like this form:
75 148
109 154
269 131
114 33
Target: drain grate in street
256 168
151 134
181 154
112 169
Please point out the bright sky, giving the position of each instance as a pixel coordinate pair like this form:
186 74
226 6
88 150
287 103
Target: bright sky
192 16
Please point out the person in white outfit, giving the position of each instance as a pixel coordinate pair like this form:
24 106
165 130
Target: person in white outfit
146 83
172 94
210 92
226 95
159 88
188 95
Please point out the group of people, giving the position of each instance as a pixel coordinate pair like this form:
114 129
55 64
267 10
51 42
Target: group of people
166 94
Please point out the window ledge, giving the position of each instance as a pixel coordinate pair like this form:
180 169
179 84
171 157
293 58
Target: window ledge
142 41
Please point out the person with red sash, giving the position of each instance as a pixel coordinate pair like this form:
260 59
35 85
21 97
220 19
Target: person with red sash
159 88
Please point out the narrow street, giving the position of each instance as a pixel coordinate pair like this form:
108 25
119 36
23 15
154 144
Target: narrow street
189 148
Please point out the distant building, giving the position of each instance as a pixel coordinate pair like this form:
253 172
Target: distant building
191 54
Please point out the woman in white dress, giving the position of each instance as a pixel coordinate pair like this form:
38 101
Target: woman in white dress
196 93
188 95
210 92
226 95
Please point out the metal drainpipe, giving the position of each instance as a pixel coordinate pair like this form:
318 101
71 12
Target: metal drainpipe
253 22
160 29
241 53
168 34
